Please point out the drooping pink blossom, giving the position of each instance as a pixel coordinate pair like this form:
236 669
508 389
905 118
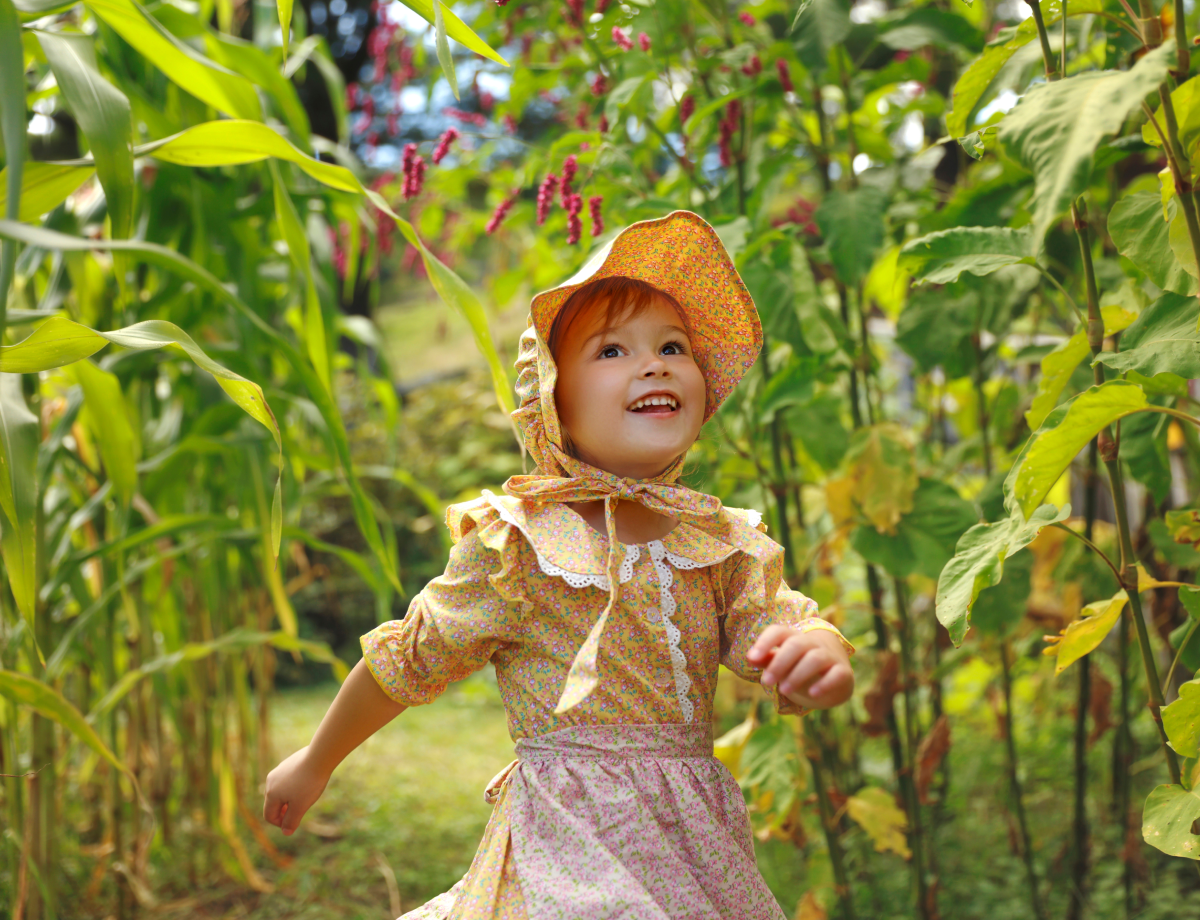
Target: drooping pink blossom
414 172
575 12
785 75
602 127
599 85
687 105
448 137
594 204
498 215
602 6
747 18
545 197
644 41
621 38
754 68
581 116
574 225
570 167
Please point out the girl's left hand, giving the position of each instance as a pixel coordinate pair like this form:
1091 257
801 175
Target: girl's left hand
810 668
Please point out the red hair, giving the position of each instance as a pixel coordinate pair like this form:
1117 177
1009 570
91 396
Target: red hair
623 298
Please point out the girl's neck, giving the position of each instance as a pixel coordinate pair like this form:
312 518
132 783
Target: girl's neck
635 522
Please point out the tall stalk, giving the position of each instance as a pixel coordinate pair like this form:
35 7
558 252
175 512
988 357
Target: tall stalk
1014 782
916 831
812 751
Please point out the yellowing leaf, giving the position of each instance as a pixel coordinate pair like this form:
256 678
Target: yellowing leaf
887 283
728 748
1085 634
1167 821
810 908
876 812
884 473
1184 527
1181 720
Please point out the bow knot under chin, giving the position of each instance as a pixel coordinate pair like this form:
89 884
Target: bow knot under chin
627 489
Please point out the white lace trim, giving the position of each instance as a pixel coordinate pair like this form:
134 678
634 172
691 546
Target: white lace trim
667 608
574 579
753 518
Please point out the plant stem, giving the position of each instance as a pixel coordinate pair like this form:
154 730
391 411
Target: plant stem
829 826
1014 781
1044 40
916 834
1129 583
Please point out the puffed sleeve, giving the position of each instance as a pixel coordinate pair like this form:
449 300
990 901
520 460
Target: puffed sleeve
744 615
451 629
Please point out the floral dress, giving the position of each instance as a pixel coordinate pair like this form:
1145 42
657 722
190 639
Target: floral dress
616 807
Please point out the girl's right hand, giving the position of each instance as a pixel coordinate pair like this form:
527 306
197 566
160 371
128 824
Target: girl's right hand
291 789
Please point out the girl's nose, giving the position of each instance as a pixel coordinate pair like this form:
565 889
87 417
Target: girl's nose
656 367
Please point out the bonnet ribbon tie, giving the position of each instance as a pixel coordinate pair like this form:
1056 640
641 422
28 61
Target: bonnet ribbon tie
704 512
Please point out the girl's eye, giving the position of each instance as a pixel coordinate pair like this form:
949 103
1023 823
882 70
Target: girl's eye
610 351
674 348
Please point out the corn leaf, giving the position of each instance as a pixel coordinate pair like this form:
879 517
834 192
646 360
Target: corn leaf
110 425
443 47
12 126
19 437
455 28
44 186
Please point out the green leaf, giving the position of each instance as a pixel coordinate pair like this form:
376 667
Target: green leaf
942 256
45 186
293 233
1083 636
978 563
1060 364
976 79
792 385
1184 526
925 537
1181 721
1185 100
824 437
46 701
1056 127
193 73
12 127
19 436
443 47
914 29
455 28
1168 819
818 26
104 411
852 225
1144 452
1143 237
284 8
102 113
1163 339
1052 449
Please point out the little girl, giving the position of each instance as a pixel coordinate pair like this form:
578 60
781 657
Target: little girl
606 595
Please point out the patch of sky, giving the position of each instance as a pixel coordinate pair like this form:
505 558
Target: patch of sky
861 163
498 84
412 99
385 156
867 10
403 16
1013 9
1002 103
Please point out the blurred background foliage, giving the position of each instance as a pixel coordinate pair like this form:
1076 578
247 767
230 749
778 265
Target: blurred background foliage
234 259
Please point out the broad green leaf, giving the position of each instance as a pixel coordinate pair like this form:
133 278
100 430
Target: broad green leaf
1185 100
293 233
225 91
1181 720
46 186
285 22
12 127
852 225
825 437
19 436
1143 237
104 411
770 772
1179 240
1052 449
942 256
875 811
817 27
792 385
978 563
455 28
102 113
1168 819
1083 636
1056 127
925 537
1060 364
1164 339
443 47
46 701
976 79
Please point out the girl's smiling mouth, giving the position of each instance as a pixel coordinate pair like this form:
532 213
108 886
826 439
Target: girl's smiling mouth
658 403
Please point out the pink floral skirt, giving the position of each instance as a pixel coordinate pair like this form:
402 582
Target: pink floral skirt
615 822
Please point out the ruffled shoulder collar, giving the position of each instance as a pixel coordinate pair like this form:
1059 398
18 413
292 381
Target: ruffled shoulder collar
567 546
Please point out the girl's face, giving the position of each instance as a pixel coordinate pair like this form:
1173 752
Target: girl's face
630 396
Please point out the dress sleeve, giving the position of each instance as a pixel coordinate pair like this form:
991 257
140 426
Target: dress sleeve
452 627
744 616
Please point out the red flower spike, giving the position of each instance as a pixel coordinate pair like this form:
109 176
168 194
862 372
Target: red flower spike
603 126
545 197
498 215
575 12
570 167
581 117
574 205
644 41
687 105
599 85
754 68
747 18
443 147
621 38
594 204
602 6
785 75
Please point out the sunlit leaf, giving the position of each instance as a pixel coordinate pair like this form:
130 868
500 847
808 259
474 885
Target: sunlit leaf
1056 127
284 7
443 47
1143 237
46 186
109 422
1164 339
875 811
1084 635
455 28
1169 818
881 465
12 127
1052 449
943 256
978 563
1181 720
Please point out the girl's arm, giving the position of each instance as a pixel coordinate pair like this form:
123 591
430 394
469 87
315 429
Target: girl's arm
360 709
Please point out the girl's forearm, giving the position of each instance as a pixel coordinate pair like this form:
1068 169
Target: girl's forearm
360 709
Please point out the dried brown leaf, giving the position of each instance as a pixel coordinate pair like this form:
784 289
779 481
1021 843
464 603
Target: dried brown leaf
930 752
